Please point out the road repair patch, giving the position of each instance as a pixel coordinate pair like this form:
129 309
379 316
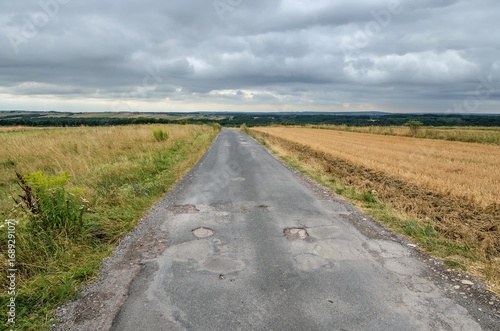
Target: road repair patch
295 233
184 209
203 232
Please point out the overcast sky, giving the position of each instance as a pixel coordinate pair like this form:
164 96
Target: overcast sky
250 55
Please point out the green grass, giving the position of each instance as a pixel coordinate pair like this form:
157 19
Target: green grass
160 134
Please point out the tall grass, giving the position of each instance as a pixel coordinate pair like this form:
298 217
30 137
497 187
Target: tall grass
90 186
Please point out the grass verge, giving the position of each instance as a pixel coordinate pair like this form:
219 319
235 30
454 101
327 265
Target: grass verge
463 235
115 173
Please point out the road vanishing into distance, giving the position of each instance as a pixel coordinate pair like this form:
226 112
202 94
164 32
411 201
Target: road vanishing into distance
252 245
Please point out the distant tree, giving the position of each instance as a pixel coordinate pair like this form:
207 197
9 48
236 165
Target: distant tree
414 126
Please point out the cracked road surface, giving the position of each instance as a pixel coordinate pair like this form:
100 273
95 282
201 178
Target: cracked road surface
253 247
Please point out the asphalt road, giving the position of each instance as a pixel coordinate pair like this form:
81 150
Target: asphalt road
249 275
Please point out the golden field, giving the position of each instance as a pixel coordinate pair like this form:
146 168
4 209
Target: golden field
464 169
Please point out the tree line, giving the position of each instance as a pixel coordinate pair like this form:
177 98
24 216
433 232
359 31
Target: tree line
236 120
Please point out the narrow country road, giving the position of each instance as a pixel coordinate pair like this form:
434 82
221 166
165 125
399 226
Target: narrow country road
271 252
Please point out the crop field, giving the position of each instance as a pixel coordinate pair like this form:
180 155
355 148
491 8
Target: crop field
452 188
483 135
470 170
81 190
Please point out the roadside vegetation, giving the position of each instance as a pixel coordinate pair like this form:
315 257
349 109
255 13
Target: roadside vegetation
414 128
73 193
443 195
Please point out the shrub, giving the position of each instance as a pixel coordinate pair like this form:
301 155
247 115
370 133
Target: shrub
160 134
414 126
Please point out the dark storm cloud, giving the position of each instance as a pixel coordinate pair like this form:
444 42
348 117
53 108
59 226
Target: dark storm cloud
408 55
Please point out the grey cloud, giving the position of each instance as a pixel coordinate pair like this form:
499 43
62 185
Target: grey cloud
426 56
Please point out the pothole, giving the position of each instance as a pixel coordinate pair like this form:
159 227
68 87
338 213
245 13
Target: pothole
295 233
184 209
203 232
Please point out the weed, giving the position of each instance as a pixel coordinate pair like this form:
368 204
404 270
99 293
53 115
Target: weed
160 134
368 197
27 199
50 205
455 264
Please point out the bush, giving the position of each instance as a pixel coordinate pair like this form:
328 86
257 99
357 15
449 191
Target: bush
414 126
160 134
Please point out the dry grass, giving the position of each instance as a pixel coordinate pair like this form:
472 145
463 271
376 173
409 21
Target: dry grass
19 129
78 151
446 192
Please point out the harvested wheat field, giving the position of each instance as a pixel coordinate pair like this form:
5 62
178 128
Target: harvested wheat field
452 186
463 169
